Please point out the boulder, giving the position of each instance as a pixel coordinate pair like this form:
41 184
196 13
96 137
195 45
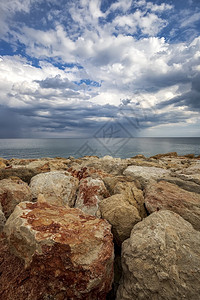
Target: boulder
70 252
133 195
192 177
12 192
120 214
23 173
193 168
39 166
49 164
147 163
2 165
91 192
145 174
59 187
108 164
184 183
165 195
80 172
110 182
169 154
160 260
140 156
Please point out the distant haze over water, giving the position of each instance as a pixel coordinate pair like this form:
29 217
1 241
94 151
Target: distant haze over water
116 147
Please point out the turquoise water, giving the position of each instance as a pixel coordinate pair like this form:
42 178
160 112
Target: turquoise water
116 147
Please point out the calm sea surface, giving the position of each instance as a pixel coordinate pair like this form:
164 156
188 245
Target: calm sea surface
116 147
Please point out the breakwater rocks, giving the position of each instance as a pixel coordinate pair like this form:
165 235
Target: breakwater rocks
100 228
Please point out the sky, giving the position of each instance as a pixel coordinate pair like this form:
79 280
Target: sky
73 68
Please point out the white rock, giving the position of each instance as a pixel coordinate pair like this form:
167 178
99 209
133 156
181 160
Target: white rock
145 174
58 187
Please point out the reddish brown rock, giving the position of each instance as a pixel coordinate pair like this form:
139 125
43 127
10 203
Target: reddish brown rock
12 192
165 195
91 192
80 172
70 252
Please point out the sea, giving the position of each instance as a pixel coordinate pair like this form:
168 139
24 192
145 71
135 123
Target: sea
78 147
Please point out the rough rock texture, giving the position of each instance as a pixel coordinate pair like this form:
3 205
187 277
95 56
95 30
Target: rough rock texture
72 253
145 174
161 260
91 192
184 184
58 187
120 214
80 172
12 192
133 195
2 165
2 219
169 154
107 164
165 195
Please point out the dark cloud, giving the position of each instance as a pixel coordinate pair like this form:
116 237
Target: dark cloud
85 120
56 83
190 99
10 126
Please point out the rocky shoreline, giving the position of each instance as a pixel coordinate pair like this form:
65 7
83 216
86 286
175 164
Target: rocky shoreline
100 228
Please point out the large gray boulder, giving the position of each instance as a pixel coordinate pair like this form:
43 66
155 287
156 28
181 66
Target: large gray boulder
145 174
58 187
161 260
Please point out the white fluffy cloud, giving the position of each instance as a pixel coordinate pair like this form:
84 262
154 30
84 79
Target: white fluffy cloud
123 56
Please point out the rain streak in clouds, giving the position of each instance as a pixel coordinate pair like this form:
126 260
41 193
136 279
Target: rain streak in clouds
68 67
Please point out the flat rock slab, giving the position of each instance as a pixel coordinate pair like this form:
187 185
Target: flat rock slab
145 174
58 187
165 195
161 260
67 248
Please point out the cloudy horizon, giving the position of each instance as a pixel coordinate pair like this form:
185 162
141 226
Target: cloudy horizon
69 69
